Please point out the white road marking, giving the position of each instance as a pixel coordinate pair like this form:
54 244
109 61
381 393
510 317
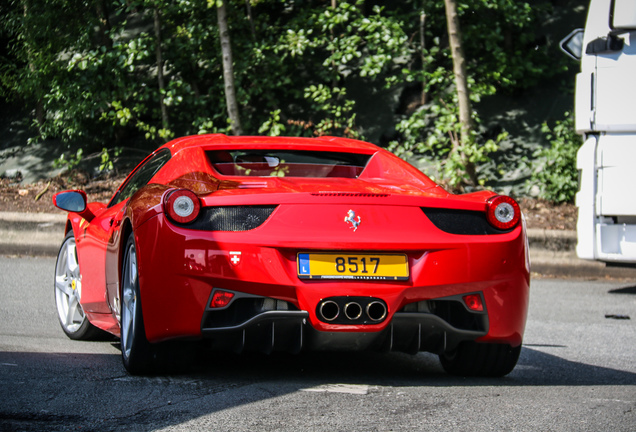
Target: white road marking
359 389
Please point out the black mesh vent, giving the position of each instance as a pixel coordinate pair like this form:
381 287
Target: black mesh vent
349 194
451 311
464 222
231 218
454 313
242 310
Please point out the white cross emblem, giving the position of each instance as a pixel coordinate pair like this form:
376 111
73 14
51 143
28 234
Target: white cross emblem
235 258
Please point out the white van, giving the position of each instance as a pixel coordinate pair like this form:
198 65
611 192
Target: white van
605 114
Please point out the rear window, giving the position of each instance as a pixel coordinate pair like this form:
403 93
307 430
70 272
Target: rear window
287 163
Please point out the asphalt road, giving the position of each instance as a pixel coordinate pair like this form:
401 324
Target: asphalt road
577 371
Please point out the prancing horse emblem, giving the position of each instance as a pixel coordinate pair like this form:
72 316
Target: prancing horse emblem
351 217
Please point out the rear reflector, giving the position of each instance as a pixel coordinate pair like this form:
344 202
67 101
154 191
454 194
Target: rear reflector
221 299
473 302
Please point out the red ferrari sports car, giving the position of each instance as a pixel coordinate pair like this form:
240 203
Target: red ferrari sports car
290 244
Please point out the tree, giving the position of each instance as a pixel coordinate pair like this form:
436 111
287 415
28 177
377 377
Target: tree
509 54
164 111
463 93
355 68
228 69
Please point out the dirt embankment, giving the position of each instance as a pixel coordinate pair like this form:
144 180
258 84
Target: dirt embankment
36 198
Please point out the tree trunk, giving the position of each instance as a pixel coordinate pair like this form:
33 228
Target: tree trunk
104 24
164 111
422 56
250 17
228 69
463 96
334 81
39 105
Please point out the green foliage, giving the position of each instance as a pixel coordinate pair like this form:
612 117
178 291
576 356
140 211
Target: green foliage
431 132
107 162
69 162
90 69
556 173
318 51
496 38
273 126
339 118
98 82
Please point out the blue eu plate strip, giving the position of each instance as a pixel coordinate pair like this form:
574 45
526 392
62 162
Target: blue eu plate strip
303 264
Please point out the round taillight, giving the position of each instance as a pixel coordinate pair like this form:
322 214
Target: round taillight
503 212
182 206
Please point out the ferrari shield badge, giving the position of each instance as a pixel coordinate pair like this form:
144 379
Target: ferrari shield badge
352 219
235 258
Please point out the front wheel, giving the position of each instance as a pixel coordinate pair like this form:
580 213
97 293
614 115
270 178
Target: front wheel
68 293
137 353
480 359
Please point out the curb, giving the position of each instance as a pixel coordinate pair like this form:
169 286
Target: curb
552 252
552 240
567 264
38 234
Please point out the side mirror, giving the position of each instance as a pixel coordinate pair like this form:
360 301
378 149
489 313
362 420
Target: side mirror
74 201
605 45
572 44
70 201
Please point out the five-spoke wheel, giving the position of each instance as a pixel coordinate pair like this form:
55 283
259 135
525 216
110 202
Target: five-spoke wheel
68 292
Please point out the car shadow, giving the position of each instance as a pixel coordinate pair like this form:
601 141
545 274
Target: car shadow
624 290
37 387
535 367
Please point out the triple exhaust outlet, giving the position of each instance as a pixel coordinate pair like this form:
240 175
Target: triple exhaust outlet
351 310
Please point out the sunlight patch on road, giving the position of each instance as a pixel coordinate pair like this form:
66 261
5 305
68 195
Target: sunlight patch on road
358 389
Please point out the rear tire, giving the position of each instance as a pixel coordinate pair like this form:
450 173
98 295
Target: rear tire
68 293
138 355
481 359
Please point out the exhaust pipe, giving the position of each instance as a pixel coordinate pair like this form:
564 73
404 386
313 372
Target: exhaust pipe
376 311
353 311
350 310
329 310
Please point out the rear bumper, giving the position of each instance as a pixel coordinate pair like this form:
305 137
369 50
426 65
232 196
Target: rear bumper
290 332
246 325
179 269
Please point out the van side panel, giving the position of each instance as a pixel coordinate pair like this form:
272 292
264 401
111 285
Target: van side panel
616 89
606 116
585 199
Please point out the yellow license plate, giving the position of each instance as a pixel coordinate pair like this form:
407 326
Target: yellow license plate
353 266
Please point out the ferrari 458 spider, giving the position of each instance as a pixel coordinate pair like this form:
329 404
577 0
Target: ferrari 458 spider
290 244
